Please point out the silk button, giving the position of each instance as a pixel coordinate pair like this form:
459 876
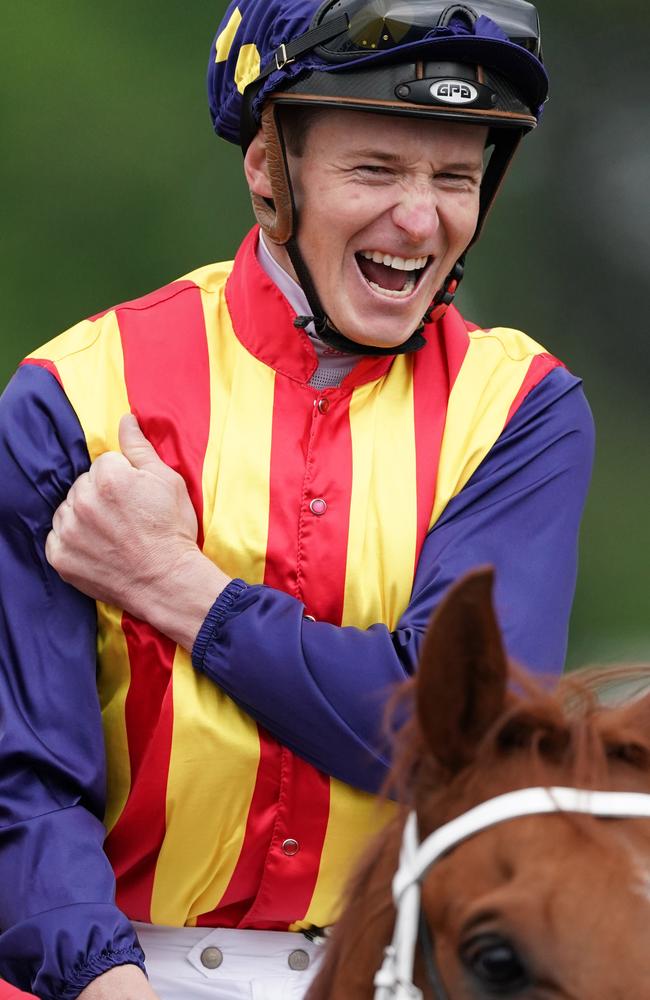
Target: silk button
298 960
290 847
211 958
318 506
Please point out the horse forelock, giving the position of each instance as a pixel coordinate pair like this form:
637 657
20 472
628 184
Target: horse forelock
546 727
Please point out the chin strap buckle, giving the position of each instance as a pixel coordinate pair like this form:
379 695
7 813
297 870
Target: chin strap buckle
445 296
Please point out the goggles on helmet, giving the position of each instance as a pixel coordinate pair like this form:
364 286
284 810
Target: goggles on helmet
382 25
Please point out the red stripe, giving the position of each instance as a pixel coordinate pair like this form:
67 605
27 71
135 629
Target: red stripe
539 367
323 540
8 992
289 880
455 331
430 397
167 377
44 363
289 442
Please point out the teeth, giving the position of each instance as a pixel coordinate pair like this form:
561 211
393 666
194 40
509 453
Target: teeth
399 263
392 293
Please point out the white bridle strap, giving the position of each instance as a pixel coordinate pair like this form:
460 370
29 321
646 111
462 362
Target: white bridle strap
394 981
514 805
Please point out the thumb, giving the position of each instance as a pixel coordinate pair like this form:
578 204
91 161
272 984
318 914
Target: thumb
136 447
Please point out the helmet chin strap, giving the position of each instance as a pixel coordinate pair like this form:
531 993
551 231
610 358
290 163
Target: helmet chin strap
329 334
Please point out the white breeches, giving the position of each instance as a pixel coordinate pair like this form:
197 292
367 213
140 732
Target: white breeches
196 963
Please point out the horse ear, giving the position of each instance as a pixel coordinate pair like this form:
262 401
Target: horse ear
462 679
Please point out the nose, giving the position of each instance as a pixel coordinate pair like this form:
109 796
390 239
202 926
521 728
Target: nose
416 214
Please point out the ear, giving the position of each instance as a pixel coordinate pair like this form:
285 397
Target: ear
462 679
256 167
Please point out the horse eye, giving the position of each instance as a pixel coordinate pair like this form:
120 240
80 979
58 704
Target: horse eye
495 963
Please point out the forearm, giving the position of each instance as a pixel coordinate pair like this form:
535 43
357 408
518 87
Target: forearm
178 602
319 689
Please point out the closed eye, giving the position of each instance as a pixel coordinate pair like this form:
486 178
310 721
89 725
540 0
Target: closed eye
375 169
459 180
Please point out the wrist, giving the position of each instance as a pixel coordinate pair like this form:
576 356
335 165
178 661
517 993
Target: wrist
178 602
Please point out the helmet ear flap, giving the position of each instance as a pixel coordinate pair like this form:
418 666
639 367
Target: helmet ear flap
275 217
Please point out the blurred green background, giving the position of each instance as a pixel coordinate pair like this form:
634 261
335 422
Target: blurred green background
113 183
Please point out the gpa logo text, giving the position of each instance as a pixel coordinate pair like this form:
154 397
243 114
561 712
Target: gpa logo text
454 91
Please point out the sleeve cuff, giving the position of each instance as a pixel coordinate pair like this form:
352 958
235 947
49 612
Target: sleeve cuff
215 618
97 965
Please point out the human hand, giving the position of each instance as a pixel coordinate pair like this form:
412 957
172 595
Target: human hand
124 982
126 535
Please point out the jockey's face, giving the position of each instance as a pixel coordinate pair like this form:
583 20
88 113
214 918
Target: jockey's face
386 206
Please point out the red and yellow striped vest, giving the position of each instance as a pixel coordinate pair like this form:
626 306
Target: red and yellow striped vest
199 798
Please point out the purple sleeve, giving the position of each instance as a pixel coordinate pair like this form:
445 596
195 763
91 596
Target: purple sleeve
60 927
321 690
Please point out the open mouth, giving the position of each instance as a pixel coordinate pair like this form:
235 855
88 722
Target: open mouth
394 277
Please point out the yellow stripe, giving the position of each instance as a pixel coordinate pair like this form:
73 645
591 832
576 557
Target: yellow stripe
224 41
113 686
248 67
491 375
215 748
91 365
90 362
214 758
236 480
383 511
354 818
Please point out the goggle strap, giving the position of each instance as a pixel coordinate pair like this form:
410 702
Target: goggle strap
288 52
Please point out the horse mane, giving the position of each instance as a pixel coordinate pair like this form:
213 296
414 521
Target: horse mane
545 720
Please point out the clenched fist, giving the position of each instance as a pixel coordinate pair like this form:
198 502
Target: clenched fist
126 535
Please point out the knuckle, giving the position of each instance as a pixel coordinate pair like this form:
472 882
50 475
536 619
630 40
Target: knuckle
83 503
51 549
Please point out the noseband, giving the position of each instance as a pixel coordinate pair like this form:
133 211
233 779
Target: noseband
394 980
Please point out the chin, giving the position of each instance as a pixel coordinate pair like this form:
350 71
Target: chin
394 337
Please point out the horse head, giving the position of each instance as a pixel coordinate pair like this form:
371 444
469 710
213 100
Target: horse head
534 907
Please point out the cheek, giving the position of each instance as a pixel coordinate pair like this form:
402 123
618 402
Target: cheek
467 220
460 218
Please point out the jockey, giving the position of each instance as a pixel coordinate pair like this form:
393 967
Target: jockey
207 602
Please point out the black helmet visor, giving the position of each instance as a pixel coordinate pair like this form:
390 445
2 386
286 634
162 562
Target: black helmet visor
380 25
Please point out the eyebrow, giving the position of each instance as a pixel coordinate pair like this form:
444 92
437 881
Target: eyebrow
377 154
461 166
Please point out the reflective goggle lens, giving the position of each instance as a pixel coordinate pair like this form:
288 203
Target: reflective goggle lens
376 25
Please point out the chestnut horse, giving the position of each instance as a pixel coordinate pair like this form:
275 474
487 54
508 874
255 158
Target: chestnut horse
532 908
